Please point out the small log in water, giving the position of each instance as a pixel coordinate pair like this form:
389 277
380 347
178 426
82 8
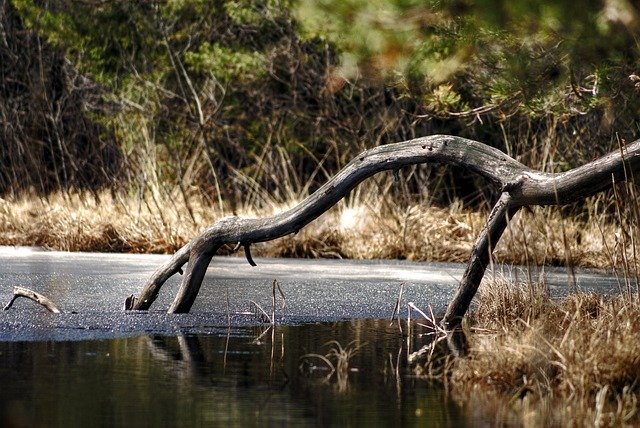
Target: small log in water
519 186
32 295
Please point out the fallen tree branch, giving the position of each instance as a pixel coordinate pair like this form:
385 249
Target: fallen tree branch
32 295
481 252
486 161
519 185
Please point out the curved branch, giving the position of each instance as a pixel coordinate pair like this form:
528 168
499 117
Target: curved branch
520 185
489 237
160 276
562 188
247 254
32 295
486 161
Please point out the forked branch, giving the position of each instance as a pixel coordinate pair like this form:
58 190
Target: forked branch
518 184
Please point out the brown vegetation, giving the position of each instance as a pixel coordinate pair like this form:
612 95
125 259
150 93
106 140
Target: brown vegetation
535 361
366 226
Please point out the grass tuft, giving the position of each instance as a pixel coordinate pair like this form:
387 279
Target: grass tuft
538 362
364 227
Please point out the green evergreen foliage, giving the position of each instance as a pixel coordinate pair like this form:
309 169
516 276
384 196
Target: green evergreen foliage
49 138
466 54
202 92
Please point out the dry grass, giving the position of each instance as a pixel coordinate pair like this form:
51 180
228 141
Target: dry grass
372 228
537 362
365 228
82 223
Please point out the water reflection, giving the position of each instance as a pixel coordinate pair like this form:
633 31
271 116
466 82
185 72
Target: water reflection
250 376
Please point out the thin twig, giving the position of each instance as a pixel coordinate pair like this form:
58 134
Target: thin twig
273 302
266 315
396 309
284 299
257 339
32 295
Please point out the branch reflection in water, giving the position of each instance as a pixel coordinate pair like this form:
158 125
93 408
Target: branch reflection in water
238 375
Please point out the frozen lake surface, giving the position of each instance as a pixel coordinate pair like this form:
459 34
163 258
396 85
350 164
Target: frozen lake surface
91 287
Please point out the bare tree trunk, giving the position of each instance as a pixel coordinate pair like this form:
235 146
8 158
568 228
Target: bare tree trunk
481 252
519 186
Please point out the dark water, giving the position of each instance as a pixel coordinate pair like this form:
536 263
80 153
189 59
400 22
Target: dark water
96 365
254 376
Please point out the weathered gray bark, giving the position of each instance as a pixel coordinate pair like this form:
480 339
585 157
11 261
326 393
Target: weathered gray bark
32 295
160 276
481 252
519 185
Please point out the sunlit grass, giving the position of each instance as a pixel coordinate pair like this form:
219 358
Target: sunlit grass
368 227
76 222
536 361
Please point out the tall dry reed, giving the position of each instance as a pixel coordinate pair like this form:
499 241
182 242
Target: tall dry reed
538 361
534 361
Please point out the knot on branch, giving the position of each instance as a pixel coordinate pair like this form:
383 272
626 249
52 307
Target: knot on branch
514 184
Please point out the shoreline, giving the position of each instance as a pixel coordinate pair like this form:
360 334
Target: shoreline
541 343
542 237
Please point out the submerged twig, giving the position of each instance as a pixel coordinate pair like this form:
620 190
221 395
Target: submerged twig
32 295
264 313
258 339
324 359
